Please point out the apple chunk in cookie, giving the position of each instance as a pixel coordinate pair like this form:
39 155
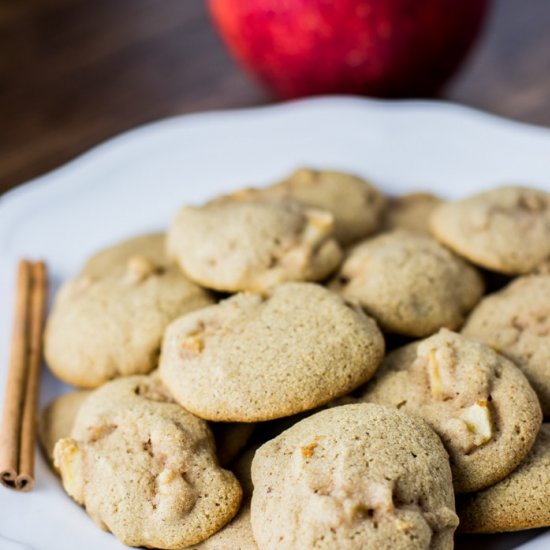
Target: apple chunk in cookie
479 403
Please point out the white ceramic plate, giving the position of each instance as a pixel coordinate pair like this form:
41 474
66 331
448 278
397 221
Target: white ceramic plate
135 182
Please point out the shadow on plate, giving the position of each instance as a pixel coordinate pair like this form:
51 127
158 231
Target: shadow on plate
504 541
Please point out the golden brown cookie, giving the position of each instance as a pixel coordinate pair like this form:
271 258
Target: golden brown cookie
253 245
520 501
409 283
109 320
478 402
117 256
252 358
354 477
57 419
410 212
237 534
356 205
516 323
506 229
144 468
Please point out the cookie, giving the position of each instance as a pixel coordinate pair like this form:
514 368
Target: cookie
253 245
109 320
409 283
516 323
478 402
506 229
357 206
543 269
230 437
354 477
57 419
237 534
518 502
252 358
144 468
410 212
117 256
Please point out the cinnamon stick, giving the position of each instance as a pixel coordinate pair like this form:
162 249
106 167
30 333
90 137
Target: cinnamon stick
18 429
37 306
15 385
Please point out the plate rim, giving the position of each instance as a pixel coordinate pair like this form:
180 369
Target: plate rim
124 138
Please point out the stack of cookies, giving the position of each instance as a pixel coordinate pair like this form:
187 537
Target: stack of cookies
311 365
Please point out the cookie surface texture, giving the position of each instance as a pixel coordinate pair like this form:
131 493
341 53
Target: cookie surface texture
516 323
354 477
477 401
109 320
410 212
520 501
356 205
145 469
409 283
252 358
237 534
253 245
505 229
57 419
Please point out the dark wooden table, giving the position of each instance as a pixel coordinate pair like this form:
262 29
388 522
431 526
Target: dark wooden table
75 72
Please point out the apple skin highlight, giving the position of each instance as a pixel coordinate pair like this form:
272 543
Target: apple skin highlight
383 48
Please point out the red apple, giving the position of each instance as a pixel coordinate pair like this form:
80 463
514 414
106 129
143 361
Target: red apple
389 48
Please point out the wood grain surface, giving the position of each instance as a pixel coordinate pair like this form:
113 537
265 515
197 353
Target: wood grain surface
75 72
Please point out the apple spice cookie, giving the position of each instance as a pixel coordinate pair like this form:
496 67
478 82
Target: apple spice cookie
252 358
516 323
144 468
357 206
520 501
230 437
543 269
57 419
253 245
409 283
116 257
477 401
237 534
506 229
410 212
109 320
354 477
